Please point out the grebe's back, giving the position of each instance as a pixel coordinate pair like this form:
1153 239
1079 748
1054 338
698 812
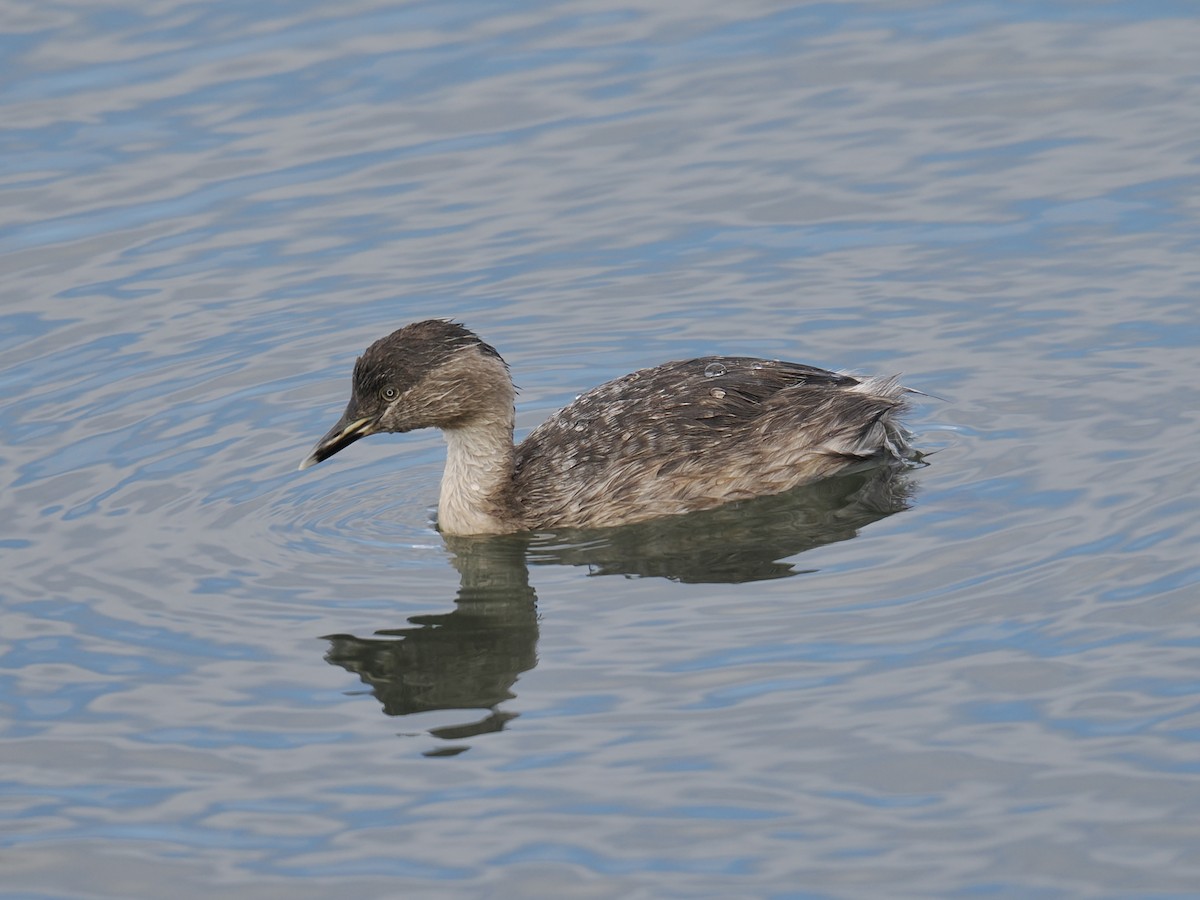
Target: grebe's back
697 433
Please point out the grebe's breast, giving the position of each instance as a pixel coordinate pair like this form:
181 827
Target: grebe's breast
696 433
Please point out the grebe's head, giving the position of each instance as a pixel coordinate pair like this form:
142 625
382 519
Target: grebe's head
432 374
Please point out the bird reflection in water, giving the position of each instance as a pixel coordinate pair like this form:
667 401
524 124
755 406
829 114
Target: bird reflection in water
469 658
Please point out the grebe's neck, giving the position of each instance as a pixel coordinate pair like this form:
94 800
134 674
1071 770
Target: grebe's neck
479 472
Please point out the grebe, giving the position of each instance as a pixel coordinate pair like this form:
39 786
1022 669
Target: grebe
683 436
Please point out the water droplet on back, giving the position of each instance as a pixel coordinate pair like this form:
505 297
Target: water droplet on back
717 392
714 369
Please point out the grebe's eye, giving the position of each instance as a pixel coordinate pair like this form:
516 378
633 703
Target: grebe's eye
389 393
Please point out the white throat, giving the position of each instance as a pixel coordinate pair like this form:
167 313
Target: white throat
479 463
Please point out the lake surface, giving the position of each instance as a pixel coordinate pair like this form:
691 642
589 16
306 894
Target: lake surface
220 675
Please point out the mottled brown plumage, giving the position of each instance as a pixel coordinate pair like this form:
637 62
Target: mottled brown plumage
682 436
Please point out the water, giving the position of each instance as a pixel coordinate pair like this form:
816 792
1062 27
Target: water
220 674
